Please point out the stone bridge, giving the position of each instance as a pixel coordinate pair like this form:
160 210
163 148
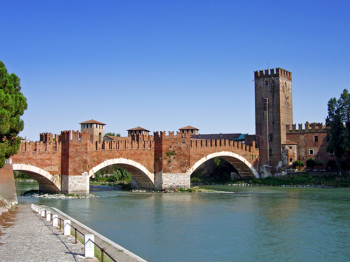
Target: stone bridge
162 161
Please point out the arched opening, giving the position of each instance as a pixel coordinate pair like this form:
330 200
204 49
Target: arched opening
47 182
243 167
215 170
141 177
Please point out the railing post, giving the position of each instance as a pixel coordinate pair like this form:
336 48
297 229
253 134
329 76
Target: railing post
102 253
43 211
66 227
55 220
75 235
48 216
89 246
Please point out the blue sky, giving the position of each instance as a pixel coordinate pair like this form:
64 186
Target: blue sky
163 65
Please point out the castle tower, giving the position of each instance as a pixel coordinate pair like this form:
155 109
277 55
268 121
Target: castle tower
273 110
96 129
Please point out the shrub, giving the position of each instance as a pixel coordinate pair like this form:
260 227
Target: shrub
298 163
318 163
332 164
310 163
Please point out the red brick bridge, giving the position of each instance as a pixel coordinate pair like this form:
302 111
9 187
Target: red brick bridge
65 162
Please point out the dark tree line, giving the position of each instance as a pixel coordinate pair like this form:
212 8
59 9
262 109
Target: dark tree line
338 126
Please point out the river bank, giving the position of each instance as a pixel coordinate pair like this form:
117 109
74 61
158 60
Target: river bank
302 179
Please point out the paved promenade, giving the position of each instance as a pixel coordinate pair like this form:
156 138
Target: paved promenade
26 237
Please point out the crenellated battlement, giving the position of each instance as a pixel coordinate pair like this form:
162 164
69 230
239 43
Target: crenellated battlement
47 137
309 127
139 137
123 145
224 144
274 72
161 135
40 146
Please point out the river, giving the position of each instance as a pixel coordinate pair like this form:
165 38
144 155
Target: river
241 224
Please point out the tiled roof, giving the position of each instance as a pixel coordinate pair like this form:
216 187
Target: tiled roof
92 122
188 127
288 142
138 128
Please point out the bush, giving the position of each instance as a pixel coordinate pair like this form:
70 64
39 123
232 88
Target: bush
318 163
298 163
332 164
310 163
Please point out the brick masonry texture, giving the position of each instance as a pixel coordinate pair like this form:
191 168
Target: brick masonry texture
73 157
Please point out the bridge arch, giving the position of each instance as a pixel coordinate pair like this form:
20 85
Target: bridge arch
142 176
47 182
244 168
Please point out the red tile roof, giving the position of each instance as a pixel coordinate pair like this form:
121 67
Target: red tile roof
188 127
92 122
288 142
138 128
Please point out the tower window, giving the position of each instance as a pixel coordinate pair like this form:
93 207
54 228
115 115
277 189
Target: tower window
270 137
311 151
266 82
270 151
316 138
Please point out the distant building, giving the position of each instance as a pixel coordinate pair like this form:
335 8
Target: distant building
96 129
138 131
189 129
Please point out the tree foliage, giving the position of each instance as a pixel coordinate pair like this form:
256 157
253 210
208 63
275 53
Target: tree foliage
298 163
12 106
112 134
338 124
310 163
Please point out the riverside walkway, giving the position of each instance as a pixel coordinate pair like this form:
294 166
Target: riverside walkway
26 237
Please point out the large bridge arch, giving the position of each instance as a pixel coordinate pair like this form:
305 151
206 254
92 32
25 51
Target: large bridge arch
142 176
47 182
244 168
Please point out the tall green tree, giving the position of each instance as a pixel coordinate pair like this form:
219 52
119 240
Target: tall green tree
338 124
12 106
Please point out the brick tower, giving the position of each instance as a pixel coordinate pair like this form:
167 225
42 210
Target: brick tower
273 110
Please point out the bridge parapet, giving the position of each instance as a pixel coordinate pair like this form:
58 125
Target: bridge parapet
123 145
223 144
40 146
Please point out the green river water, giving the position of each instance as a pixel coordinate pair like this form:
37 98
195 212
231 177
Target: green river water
241 224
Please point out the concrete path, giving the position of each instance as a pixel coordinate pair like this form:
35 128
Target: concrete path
26 237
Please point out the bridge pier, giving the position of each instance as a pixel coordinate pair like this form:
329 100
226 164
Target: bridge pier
171 181
78 185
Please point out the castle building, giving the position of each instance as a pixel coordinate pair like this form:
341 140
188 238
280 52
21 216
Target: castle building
278 140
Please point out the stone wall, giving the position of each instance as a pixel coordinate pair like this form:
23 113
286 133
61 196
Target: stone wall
7 185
